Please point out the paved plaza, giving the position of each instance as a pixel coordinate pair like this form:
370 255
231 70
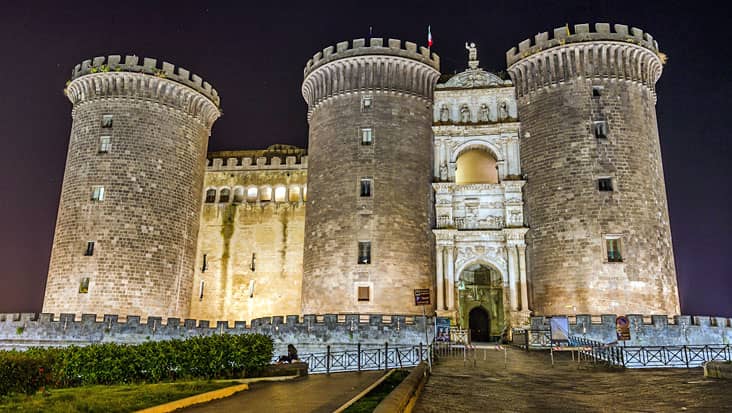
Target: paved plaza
529 383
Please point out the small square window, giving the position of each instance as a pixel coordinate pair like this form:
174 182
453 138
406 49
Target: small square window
84 286
364 294
105 144
97 193
367 136
605 184
366 103
366 187
89 249
599 128
107 121
364 252
613 248
596 91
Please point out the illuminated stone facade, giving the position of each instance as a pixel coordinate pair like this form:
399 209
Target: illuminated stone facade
543 193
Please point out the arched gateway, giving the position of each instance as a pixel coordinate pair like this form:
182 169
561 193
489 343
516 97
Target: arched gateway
480 301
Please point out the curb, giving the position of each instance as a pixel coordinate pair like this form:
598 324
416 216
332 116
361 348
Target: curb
718 370
364 392
197 399
403 398
212 395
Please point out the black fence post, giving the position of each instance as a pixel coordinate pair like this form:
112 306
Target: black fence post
420 351
686 356
526 338
386 356
327 360
359 356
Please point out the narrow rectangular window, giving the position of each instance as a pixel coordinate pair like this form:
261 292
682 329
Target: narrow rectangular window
613 250
200 291
107 121
605 184
89 249
364 294
253 265
84 286
105 144
366 187
366 103
600 129
204 267
97 193
367 136
364 252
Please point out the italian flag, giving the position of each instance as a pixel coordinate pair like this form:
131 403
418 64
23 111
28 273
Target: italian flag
429 37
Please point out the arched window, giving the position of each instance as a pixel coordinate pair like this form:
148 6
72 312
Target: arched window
211 196
476 166
280 194
265 194
224 196
294 195
252 194
238 195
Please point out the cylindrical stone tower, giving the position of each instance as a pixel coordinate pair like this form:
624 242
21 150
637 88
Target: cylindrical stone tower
600 240
368 240
128 217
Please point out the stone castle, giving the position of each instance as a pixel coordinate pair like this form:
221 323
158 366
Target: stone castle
540 194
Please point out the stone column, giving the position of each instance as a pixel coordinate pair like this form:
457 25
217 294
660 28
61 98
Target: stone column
440 277
522 275
450 278
512 277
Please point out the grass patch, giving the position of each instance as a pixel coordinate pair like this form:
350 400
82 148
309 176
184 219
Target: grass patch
369 402
108 399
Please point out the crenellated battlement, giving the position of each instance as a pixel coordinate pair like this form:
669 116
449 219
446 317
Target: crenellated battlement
276 157
581 33
24 330
377 68
357 47
114 63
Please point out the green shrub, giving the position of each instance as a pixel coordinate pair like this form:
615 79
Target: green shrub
217 356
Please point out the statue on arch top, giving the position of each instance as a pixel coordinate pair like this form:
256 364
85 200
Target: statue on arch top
472 55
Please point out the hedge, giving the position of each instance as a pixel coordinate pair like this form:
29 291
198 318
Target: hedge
217 356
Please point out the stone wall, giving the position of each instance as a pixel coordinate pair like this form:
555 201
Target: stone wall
387 89
563 92
656 330
144 230
252 242
308 333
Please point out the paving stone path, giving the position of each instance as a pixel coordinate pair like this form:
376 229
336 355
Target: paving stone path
529 383
314 393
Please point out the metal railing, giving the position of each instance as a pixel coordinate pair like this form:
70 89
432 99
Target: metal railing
369 358
688 356
527 339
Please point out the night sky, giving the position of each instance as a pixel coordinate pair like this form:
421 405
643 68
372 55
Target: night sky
253 54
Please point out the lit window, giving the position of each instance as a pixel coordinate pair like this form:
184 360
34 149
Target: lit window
366 187
252 194
97 193
84 286
366 103
105 144
224 196
89 249
605 184
367 136
210 196
280 194
266 194
364 294
612 245
364 252
294 194
107 121
238 195
599 128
